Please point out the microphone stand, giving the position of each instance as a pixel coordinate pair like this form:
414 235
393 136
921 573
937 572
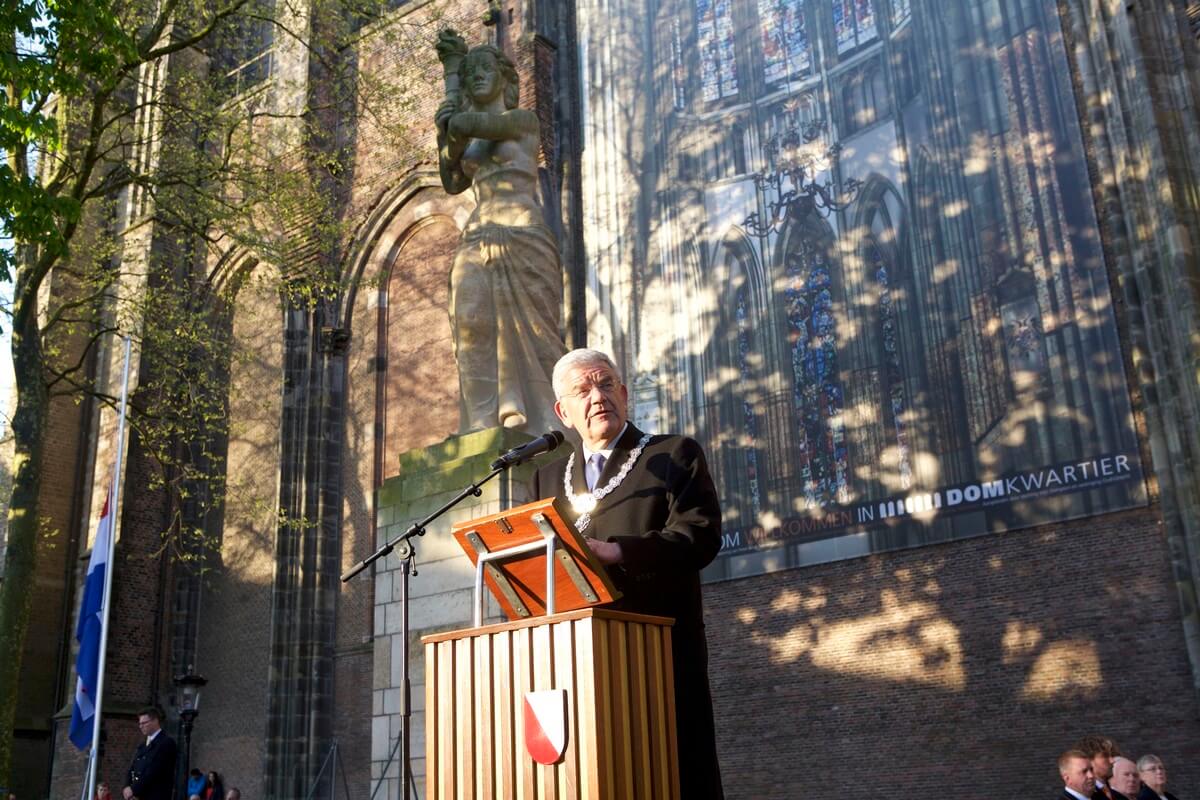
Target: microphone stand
403 547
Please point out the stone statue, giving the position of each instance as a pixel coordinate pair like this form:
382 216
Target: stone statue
506 282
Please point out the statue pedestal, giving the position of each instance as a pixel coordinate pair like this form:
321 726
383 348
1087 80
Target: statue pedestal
440 594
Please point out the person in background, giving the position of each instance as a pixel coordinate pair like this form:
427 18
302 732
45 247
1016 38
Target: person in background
102 791
1154 779
151 776
234 793
1125 777
196 783
215 789
1101 751
1076 770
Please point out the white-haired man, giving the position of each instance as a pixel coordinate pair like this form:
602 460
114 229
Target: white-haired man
1125 777
648 509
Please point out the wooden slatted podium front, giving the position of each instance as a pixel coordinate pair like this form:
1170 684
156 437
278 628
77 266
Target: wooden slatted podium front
613 667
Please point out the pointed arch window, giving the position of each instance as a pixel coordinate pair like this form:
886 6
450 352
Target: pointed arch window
749 417
895 400
816 389
785 46
718 61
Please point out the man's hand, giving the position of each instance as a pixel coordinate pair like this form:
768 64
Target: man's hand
127 793
607 552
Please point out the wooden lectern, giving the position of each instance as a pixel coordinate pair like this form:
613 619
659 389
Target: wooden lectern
579 703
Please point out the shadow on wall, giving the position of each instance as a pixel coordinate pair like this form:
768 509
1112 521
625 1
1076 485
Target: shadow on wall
953 667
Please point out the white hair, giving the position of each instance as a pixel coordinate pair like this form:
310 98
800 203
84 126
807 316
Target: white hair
1145 761
581 357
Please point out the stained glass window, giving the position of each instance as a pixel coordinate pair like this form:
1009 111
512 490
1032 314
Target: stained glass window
786 50
892 372
901 11
678 70
749 418
816 391
718 63
853 23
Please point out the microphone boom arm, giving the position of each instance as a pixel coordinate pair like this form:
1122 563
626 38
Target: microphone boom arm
418 528
514 457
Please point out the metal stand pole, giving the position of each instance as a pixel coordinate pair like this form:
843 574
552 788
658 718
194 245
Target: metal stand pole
402 546
333 758
409 564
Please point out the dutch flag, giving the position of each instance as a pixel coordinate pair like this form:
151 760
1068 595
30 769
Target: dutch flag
91 620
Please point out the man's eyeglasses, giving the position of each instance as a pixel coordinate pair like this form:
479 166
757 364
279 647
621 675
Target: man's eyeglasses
606 386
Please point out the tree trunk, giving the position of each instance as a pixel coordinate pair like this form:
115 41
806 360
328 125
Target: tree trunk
16 591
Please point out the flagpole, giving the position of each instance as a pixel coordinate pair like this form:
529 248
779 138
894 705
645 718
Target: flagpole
94 758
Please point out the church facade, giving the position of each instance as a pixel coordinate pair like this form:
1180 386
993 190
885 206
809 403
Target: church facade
919 276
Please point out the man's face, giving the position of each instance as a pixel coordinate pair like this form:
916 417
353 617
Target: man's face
1125 777
594 404
1102 765
233 794
1078 775
148 724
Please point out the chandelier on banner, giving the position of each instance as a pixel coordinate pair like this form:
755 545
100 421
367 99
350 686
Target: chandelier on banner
795 156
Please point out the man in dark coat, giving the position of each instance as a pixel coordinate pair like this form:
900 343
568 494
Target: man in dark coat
1101 751
1078 779
655 522
151 776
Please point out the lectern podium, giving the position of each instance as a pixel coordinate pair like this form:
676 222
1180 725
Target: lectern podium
575 704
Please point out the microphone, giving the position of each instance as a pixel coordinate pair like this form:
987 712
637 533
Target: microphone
519 455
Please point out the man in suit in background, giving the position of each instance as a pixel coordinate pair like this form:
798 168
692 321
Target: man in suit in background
1101 751
648 509
1076 770
151 776
1125 777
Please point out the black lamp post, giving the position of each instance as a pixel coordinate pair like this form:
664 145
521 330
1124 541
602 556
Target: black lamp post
188 702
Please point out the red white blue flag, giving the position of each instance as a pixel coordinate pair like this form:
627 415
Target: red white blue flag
88 631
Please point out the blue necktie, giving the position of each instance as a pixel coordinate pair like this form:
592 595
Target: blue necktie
595 466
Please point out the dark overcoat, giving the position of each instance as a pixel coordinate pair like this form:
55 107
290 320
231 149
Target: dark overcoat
667 519
152 773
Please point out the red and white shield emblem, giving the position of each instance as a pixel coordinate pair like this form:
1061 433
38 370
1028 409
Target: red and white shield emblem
546 725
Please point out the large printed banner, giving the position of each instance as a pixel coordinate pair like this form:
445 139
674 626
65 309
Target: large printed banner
915 508
922 346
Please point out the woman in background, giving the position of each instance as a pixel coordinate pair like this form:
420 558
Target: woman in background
1154 779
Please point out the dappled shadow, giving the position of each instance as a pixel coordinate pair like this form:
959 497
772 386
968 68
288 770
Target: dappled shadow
938 360
926 662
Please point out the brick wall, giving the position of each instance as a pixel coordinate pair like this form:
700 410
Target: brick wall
235 609
955 667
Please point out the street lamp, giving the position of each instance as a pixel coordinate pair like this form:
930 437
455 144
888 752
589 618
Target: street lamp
188 702
795 156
